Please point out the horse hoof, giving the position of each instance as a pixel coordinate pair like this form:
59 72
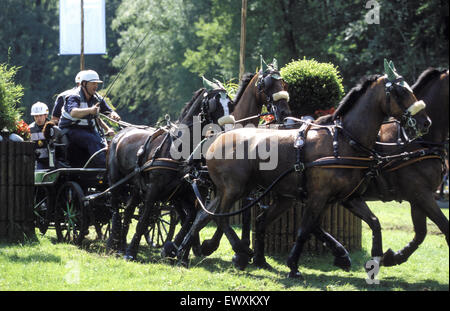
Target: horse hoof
241 260
262 264
128 258
343 262
295 275
169 249
388 259
112 245
207 248
184 263
197 251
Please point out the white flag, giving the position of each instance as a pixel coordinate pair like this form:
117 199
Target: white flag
70 27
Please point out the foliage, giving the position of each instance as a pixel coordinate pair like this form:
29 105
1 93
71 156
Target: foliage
190 38
313 86
10 95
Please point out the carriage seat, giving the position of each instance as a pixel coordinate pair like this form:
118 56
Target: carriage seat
58 144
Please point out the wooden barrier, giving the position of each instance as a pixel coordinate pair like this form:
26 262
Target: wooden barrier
281 234
16 191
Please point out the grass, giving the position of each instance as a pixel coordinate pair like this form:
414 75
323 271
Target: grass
44 265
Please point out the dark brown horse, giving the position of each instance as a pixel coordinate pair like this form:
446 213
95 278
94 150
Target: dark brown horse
361 113
265 88
415 179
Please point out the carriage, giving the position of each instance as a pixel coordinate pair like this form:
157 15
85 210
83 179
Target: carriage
73 198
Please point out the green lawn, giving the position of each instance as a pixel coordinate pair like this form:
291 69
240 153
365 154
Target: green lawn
46 265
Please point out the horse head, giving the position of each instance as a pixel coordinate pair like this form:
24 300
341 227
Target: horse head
402 104
432 87
216 104
271 85
209 104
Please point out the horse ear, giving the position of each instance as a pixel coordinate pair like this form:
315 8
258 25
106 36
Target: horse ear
391 64
388 70
263 64
219 84
208 85
275 64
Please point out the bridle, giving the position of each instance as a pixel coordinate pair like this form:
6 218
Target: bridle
209 104
407 122
264 84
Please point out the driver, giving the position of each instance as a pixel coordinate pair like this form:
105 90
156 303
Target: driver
78 116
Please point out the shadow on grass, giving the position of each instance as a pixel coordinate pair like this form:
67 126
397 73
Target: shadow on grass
20 257
323 264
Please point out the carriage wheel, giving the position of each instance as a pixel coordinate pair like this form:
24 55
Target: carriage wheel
71 217
41 208
162 226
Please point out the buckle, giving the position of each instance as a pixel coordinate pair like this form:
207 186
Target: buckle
299 167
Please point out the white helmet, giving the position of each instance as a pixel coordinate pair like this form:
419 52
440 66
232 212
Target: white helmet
39 108
90 76
78 77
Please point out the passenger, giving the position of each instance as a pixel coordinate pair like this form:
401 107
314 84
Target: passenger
79 113
39 111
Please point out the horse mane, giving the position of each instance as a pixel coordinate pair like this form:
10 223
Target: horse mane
324 120
355 93
245 80
428 75
188 105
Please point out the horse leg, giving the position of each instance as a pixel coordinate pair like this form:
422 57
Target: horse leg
431 209
142 225
310 220
359 208
127 217
187 216
246 223
113 242
243 252
341 256
202 218
262 221
418 215
210 246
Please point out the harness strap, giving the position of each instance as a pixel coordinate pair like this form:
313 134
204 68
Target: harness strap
409 162
342 162
200 200
161 163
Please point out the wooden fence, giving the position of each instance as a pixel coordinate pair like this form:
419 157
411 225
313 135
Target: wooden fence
281 234
16 191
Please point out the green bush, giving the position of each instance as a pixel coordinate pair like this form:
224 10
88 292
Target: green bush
10 95
313 87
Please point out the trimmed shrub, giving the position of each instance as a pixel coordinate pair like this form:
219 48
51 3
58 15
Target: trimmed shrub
10 95
314 88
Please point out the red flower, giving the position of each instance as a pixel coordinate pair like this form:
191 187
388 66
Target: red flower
23 130
268 118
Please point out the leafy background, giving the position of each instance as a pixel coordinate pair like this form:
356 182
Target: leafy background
188 38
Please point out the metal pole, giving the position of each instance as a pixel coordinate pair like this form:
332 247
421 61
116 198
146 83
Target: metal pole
242 51
82 37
